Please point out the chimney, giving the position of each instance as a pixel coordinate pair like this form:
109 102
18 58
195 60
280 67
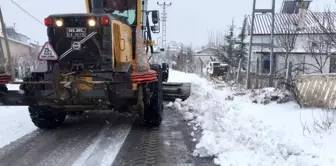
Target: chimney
294 6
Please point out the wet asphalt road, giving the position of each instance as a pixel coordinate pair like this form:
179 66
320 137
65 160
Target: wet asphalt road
106 138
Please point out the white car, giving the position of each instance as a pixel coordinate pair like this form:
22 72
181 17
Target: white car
212 67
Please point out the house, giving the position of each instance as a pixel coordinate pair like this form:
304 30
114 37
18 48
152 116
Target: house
206 54
202 57
24 54
308 49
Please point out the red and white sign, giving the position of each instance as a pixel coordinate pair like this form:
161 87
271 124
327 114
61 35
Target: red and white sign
47 53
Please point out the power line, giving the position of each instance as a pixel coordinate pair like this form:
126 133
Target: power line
27 12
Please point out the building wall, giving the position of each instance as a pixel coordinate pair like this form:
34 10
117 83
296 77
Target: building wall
21 53
300 55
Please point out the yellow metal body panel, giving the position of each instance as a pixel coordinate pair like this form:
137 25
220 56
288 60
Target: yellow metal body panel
122 42
139 14
122 38
84 86
87 6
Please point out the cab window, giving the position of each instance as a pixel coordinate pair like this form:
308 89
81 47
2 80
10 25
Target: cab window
125 8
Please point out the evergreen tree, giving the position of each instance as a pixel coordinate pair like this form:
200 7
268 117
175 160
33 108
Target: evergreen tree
241 48
190 59
229 46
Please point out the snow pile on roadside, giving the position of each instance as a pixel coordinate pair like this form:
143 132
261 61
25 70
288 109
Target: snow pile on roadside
235 135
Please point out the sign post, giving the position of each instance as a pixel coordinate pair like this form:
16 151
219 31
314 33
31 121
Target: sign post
10 69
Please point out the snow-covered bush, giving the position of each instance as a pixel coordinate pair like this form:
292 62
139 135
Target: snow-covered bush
267 95
323 121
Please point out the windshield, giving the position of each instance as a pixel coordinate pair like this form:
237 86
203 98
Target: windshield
125 8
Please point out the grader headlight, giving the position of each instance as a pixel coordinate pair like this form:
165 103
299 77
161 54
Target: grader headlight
59 23
92 22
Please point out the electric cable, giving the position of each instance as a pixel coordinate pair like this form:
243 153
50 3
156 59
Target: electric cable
24 10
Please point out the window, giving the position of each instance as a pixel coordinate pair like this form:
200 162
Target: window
216 64
266 62
124 8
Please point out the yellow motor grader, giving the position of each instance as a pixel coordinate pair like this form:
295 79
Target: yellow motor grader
97 60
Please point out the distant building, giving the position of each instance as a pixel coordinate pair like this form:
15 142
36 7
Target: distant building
12 34
202 57
24 53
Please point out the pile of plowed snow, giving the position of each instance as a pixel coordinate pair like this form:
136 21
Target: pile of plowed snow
237 131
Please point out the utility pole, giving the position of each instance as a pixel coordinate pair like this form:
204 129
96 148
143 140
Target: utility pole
9 67
248 79
2 58
269 45
164 6
271 74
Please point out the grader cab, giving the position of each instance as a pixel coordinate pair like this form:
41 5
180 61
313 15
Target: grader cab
96 61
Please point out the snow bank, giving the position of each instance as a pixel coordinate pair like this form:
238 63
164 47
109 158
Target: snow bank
238 132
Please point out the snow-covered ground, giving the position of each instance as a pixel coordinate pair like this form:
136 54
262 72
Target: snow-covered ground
239 132
14 122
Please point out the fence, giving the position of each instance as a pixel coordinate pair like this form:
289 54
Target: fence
317 90
257 81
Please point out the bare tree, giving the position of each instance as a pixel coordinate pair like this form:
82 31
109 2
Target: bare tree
287 40
216 46
319 49
323 42
25 62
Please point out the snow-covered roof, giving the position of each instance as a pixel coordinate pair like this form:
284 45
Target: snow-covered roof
283 21
19 42
206 50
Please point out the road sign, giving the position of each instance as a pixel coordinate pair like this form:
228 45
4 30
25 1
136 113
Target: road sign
47 53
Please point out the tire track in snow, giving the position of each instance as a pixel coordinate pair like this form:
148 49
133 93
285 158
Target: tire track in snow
108 137
167 145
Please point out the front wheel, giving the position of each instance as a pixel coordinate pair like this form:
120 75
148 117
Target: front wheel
46 117
153 100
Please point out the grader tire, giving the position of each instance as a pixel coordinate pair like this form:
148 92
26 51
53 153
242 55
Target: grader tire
154 108
46 117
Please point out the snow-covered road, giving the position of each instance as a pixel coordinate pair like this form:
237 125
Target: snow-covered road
92 139
106 138
14 122
95 138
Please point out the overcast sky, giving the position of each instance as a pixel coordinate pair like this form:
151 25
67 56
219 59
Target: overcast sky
188 20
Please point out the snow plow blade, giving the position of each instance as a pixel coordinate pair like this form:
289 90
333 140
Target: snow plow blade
13 98
173 90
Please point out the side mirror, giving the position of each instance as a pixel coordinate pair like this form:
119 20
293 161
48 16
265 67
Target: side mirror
155 16
155 29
